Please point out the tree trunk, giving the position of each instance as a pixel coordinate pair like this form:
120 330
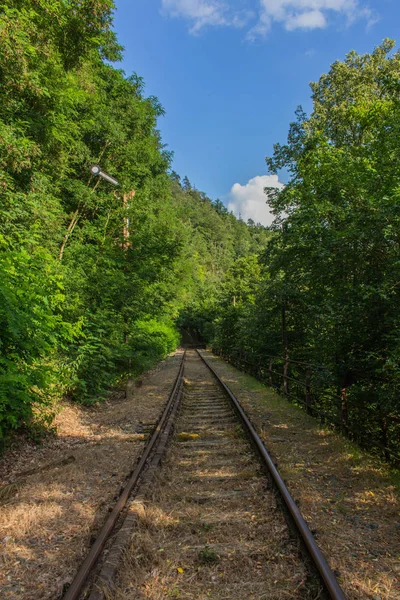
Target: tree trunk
308 392
271 379
344 411
72 224
69 231
385 437
126 229
285 353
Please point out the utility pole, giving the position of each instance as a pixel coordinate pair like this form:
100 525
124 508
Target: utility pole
95 170
127 197
285 352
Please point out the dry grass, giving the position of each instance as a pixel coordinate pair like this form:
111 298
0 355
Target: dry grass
184 436
211 529
349 499
48 518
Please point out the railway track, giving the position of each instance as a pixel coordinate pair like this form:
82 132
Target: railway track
212 522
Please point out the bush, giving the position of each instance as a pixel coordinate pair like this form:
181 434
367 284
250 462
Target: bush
150 341
30 294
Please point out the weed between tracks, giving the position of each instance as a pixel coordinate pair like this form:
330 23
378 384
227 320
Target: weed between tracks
203 545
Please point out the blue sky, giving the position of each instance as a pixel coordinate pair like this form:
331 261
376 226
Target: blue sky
230 74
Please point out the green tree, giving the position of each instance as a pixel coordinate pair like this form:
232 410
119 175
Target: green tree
332 265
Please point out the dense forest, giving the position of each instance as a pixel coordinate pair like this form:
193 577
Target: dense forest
325 311
98 281
93 278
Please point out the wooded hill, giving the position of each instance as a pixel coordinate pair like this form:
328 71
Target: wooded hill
95 282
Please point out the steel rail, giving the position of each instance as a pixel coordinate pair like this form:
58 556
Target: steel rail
326 573
94 553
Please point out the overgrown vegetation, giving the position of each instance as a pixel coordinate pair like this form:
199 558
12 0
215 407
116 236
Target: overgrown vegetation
328 289
97 281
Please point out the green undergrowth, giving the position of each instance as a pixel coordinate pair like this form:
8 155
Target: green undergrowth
96 282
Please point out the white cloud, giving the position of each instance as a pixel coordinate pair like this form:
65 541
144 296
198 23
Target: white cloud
292 14
250 202
201 13
307 14
313 19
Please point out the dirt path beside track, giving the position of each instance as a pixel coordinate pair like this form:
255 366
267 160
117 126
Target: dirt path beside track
48 517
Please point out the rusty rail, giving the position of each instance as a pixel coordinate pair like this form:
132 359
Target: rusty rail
327 576
77 584
320 562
